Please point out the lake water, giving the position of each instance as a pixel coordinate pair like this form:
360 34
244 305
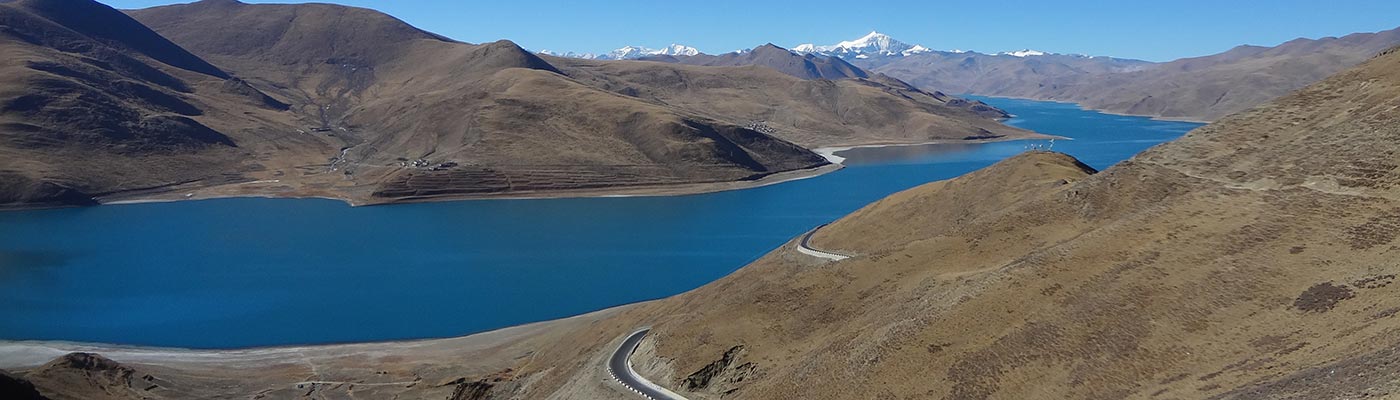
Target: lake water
230 273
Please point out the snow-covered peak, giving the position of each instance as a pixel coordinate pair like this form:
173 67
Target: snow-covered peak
871 45
875 40
624 53
1022 53
677 50
915 50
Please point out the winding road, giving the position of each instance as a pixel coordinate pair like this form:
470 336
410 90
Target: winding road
804 246
620 364
620 367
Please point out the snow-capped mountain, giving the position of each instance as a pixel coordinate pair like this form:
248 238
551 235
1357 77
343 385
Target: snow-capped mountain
874 44
1023 53
882 46
676 50
874 47
629 53
626 53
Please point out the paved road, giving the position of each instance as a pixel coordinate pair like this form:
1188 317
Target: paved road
805 247
620 367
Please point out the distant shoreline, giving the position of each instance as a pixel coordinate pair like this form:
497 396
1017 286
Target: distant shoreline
680 189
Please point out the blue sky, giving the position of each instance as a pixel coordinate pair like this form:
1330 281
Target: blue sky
1150 30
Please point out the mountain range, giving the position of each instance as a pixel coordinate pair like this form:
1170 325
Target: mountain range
1199 88
874 44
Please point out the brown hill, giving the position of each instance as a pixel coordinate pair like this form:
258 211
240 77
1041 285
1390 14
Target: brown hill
93 377
1199 88
421 116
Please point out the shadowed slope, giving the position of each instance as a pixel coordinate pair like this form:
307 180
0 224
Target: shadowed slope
93 103
103 24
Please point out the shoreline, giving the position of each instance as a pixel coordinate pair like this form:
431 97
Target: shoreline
829 152
680 189
25 354
835 163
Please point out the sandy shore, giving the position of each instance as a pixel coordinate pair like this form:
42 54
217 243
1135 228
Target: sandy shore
286 190
23 354
216 192
682 189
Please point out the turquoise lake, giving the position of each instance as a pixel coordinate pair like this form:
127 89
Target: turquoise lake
231 273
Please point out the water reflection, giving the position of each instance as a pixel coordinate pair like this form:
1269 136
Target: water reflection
19 261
